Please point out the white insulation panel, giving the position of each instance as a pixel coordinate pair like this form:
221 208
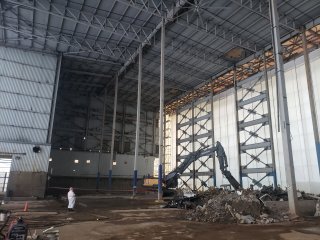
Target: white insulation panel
303 144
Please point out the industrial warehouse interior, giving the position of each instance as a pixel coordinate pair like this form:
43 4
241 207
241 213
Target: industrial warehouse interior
160 119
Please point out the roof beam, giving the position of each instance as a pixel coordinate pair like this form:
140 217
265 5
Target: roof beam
3 21
216 31
148 6
179 5
113 52
194 52
261 8
78 72
128 31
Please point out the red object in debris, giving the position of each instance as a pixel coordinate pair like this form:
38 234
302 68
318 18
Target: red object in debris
25 207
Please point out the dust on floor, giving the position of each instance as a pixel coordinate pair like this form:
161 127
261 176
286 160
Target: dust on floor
120 217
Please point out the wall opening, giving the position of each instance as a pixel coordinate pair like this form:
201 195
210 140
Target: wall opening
5 165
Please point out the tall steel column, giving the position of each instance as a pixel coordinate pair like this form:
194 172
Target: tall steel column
237 121
312 99
54 98
87 123
136 150
123 126
161 112
112 158
283 109
102 135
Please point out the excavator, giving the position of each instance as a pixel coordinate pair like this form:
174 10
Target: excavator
171 180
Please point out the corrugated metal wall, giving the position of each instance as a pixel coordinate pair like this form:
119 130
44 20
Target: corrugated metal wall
304 153
78 117
26 86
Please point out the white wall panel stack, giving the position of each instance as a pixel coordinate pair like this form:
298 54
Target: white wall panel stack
224 115
26 88
303 144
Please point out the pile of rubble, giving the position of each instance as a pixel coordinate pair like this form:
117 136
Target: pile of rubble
227 207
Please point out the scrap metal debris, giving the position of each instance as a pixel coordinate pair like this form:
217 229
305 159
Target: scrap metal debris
222 206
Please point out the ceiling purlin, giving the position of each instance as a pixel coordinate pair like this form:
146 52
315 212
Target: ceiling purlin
110 26
77 24
215 31
184 48
67 40
297 7
148 6
47 28
261 8
88 27
133 21
3 21
33 24
169 14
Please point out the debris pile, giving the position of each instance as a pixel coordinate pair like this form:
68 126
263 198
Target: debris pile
221 206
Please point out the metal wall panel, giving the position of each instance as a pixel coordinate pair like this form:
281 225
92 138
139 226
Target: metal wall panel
29 88
25 103
26 88
28 57
18 134
24 159
26 72
24 119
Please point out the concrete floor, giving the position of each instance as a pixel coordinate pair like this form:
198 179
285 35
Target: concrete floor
120 217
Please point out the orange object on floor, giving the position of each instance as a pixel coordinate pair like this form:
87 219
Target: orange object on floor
25 207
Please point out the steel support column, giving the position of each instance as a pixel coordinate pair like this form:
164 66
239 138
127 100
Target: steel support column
114 118
237 120
283 109
87 123
102 135
312 99
136 150
161 112
54 98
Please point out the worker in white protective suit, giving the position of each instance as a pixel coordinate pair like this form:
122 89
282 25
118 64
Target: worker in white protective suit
71 199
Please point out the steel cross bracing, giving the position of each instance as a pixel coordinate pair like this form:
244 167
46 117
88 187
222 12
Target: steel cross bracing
101 23
194 131
156 8
255 141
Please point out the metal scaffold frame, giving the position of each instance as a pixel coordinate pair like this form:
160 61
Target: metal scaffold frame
254 127
194 129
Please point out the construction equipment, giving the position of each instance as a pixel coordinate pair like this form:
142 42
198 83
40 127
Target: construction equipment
18 229
171 180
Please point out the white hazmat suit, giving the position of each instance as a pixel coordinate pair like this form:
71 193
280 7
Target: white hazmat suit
71 199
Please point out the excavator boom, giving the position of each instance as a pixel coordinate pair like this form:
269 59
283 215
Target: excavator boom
171 180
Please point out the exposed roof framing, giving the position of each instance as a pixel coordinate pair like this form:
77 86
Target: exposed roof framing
292 47
101 38
100 23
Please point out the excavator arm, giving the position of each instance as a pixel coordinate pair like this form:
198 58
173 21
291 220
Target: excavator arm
171 180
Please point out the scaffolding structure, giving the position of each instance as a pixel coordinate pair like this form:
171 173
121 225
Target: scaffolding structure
194 129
